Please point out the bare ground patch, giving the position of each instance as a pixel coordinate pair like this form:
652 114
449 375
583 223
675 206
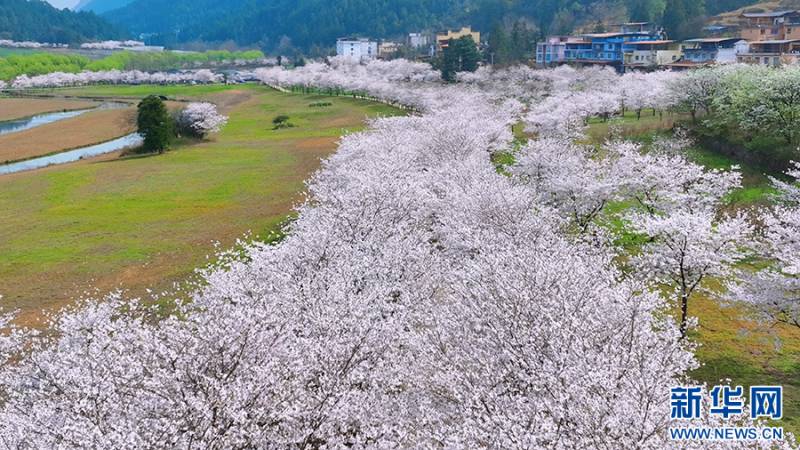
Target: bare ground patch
18 108
87 129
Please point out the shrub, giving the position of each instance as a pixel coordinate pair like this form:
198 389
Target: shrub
282 121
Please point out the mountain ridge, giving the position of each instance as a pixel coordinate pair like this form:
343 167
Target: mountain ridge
37 20
101 6
305 24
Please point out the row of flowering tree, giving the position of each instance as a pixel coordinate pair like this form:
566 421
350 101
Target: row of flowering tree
420 300
132 77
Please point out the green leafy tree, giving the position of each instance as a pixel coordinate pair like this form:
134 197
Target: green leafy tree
523 41
461 55
683 18
155 125
500 47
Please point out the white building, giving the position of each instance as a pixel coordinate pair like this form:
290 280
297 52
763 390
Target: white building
357 49
418 40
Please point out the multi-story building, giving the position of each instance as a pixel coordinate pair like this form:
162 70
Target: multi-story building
771 26
595 48
773 38
357 49
443 38
418 40
709 51
645 55
772 53
553 51
388 49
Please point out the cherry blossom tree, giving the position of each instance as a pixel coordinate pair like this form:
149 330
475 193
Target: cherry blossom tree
133 77
571 178
686 248
112 45
789 193
774 292
201 119
420 299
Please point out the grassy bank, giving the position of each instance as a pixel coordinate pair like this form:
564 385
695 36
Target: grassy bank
148 222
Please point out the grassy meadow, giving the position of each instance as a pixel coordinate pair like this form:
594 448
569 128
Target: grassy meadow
149 222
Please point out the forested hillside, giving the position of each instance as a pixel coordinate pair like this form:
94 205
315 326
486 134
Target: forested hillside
271 24
101 6
36 20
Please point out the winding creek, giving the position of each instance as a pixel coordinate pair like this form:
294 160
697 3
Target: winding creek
17 125
130 140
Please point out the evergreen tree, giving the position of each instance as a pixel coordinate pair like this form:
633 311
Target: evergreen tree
675 19
460 55
523 41
499 52
155 125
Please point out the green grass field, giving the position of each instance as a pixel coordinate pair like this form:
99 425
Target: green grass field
15 51
732 346
148 222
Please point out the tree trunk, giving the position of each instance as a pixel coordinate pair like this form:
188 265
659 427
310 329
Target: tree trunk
684 313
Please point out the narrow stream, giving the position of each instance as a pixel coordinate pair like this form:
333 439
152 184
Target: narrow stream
131 140
17 125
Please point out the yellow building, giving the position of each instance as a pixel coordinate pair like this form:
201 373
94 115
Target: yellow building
443 39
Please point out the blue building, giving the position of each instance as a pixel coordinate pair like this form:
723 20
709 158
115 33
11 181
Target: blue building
594 48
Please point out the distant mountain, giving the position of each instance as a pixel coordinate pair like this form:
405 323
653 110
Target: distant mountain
101 6
37 20
268 23
304 24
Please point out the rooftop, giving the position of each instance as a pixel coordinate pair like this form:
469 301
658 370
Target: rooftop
687 64
713 40
609 35
353 39
779 41
654 42
767 14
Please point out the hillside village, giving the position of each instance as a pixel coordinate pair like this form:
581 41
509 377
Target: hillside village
766 38
420 45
